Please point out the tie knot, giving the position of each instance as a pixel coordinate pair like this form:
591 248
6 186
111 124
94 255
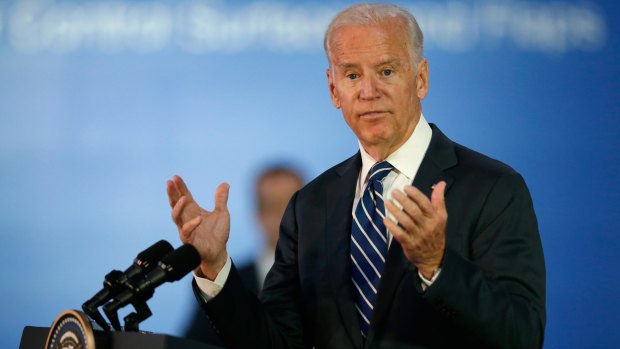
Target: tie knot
379 171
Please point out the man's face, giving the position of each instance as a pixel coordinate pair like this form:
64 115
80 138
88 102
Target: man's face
274 193
374 82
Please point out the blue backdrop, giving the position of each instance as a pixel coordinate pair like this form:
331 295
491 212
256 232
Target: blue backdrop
101 102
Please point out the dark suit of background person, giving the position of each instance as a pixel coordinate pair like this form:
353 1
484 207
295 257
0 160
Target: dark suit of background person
490 288
274 187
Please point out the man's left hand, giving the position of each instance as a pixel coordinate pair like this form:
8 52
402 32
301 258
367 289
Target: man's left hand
421 227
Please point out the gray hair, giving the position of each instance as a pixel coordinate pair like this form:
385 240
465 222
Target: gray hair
365 14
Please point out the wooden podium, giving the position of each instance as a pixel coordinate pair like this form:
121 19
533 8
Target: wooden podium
35 338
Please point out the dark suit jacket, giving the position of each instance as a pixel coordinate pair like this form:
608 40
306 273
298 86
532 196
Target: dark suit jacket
199 328
490 293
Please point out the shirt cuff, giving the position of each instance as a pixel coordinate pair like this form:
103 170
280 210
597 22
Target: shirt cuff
209 289
426 283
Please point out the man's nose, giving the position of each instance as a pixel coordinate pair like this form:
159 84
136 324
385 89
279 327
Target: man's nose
368 88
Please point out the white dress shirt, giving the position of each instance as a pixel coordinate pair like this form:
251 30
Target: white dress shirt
406 161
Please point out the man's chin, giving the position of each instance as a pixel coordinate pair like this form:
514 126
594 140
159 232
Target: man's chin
377 134
375 142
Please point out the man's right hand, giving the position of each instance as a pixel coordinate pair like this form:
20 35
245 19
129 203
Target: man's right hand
206 230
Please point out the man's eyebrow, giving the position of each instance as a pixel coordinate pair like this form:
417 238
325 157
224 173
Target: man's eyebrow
347 65
389 61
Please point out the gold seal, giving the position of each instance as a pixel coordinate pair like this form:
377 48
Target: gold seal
71 330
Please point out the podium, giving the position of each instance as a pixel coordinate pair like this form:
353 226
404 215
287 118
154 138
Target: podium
35 338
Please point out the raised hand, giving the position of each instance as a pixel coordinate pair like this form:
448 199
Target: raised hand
421 227
208 231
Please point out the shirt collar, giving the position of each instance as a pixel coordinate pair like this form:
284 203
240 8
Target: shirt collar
408 157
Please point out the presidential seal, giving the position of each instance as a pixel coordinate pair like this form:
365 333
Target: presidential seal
71 330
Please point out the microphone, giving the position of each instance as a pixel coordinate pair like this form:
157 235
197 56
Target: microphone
171 268
115 280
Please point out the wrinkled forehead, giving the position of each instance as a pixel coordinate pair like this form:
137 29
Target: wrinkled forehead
382 40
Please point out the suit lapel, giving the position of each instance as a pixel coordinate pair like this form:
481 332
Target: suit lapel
340 196
439 156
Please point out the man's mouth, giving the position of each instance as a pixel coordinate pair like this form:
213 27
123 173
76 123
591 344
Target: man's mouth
373 114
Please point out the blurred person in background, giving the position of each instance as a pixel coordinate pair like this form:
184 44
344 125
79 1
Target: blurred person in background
274 187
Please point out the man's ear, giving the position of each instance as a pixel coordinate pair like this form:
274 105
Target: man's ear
422 79
333 93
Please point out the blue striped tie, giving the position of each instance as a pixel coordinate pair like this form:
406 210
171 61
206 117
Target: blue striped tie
369 244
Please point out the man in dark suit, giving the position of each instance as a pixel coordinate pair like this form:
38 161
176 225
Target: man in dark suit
274 187
414 242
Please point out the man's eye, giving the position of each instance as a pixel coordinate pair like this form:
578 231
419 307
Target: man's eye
387 72
352 76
